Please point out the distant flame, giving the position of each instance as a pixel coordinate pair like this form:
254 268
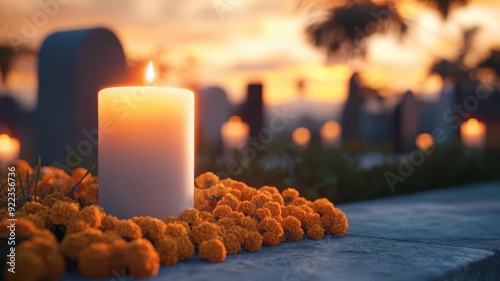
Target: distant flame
150 73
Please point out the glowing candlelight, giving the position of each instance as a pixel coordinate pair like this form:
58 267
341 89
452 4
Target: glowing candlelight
424 141
234 133
9 150
473 133
146 154
331 132
301 136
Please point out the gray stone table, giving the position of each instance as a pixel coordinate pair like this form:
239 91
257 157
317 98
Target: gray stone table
451 234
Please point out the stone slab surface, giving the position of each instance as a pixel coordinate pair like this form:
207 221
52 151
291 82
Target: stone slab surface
445 235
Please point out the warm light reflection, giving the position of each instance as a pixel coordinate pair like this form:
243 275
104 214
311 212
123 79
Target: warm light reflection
424 141
473 133
9 150
301 136
330 133
150 74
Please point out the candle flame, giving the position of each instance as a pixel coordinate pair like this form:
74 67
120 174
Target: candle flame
235 119
150 73
424 141
301 136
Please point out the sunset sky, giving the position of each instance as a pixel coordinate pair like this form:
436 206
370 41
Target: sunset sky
255 40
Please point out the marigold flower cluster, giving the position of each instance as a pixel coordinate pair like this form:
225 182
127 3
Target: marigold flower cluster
228 218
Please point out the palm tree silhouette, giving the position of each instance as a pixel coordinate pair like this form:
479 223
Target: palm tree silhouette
347 24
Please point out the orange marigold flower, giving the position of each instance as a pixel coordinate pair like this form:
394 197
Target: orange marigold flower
271 189
322 206
63 212
128 229
117 249
94 235
95 261
205 231
48 249
234 184
229 200
340 223
215 193
151 227
206 216
296 212
248 223
248 193
190 216
108 223
76 226
141 259
253 241
72 244
213 250
221 211
290 194
272 231
306 208
226 222
206 180
33 208
24 228
199 198
37 221
170 219
312 219
278 199
91 215
166 246
23 169
260 198
110 236
236 193
262 213
185 247
292 229
246 207
300 201
231 243
78 174
30 266
175 230
274 208
316 232
55 197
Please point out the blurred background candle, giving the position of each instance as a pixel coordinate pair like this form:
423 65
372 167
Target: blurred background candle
234 132
146 150
331 132
424 141
9 150
473 133
301 137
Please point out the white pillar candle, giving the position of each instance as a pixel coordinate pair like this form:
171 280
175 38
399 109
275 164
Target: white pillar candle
473 133
234 132
146 152
301 136
331 132
9 150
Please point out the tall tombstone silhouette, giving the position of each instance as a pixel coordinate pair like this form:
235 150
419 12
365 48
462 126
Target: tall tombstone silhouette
351 115
214 109
73 67
253 109
407 119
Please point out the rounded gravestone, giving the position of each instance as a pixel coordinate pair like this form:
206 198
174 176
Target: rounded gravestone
73 67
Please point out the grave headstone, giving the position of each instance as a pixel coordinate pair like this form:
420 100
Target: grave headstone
73 67
351 114
253 109
407 119
214 109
